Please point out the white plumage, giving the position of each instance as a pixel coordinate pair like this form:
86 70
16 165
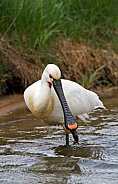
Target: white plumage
43 101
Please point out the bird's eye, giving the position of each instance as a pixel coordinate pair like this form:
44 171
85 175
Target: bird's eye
50 76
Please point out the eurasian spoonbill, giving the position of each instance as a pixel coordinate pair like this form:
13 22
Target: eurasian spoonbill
59 101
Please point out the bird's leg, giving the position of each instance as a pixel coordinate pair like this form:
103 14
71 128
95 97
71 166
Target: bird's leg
74 134
67 138
67 134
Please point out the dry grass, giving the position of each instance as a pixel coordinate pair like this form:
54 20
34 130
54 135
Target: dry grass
93 68
97 66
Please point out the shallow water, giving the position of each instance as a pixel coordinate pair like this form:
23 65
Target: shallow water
31 153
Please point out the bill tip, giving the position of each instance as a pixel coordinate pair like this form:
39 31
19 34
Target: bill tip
72 126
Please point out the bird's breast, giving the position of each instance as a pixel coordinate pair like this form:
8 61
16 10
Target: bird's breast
43 110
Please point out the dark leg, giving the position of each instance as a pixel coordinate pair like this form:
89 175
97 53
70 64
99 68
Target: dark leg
67 138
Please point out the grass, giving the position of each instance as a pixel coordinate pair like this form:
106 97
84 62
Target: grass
35 25
88 81
32 24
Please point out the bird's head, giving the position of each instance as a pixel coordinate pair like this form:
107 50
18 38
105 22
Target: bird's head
50 73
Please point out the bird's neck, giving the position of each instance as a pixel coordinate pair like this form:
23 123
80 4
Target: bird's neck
43 97
42 103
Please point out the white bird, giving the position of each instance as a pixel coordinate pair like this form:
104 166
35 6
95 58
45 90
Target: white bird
59 101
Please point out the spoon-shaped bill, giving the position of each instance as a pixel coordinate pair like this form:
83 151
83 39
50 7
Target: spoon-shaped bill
69 120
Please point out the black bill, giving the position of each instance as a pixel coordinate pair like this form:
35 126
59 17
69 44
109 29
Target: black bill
69 120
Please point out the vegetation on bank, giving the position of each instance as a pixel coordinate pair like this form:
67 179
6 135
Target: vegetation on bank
32 24
34 27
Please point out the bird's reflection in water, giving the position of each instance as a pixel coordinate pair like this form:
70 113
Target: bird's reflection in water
79 151
68 156
62 164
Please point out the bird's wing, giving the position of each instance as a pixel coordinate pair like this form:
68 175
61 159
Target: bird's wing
79 99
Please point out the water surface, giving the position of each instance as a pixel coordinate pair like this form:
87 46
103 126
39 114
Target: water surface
31 152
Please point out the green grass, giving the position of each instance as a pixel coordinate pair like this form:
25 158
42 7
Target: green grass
32 24
92 78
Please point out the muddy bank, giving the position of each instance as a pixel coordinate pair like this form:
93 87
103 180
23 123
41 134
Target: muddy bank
11 104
